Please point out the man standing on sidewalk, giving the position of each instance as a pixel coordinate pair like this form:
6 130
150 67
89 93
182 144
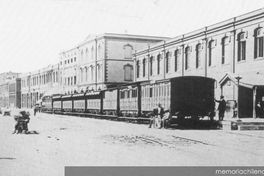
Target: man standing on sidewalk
221 107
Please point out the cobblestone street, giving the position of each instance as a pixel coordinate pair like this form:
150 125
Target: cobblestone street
58 141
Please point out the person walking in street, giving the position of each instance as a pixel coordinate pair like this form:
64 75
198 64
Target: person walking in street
35 110
221 107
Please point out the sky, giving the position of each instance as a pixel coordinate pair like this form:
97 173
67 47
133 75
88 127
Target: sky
34 32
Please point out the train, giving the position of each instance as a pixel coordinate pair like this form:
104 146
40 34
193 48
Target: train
186 96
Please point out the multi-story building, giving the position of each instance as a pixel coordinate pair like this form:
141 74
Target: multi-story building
221 51
35 85
101 61
7 79
68 71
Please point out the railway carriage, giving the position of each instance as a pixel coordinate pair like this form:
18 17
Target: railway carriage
46 104
155 93
110 102
130 100
56 103
78 102
94 102
67 105
192 96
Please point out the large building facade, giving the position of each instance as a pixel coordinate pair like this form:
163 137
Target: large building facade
101 61
231 52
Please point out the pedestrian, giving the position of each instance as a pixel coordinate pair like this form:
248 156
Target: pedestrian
160 122
153 115
166 119
221 107
35 110
259 110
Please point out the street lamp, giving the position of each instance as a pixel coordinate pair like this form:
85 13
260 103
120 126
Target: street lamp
238 78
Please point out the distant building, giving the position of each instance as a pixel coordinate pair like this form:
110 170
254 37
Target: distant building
101 61
36 84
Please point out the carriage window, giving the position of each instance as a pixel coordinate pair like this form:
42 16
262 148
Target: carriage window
134 93
122 95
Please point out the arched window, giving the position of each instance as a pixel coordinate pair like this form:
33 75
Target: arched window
158 63
198 50
144 67
98 72
86 74
241 46
187 57
99 51
176 55
210 52
151 65
258 42
224 43
167 61
92 73
81 54
128 49
87 53
128 72
138 67
81 73
92 53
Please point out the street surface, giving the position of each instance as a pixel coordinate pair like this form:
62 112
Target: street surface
57 141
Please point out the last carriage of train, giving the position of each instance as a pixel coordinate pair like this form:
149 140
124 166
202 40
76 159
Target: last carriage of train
189 99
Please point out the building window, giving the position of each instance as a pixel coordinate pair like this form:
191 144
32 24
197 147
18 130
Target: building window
258 43
210 52
92 53
241 46
176 55
99 51
128 49
167 61
92 73
74 80
158 63
81 74
138 67
144 67
187 57
224 43
86 74
151 65
128 72
98 72
198 49
74 59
